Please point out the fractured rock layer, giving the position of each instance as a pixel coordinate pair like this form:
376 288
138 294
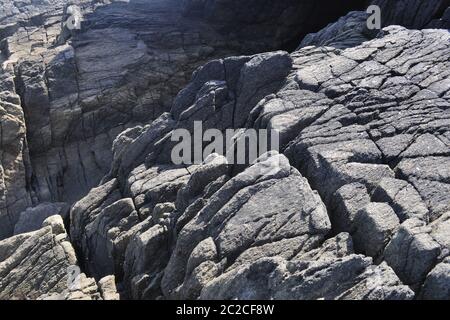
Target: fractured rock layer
357 123
80 88
355 205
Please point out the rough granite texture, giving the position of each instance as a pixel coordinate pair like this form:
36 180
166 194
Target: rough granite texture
355 205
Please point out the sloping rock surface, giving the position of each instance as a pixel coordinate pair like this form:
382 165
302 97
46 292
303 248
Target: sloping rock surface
79 88
366 126
354 205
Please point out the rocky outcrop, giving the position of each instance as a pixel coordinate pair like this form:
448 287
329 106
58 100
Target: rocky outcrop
42 265
353 205
14 196
411 13
353 28
374 130
240 228
196 246
312 276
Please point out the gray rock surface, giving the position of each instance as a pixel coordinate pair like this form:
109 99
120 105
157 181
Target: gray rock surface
32 218
352 29
412 14
347 32
107 287
329 272
37 265
412 252
354 205
437 284
374 225
295 213
14 198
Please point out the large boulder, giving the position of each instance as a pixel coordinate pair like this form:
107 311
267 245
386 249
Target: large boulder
353 205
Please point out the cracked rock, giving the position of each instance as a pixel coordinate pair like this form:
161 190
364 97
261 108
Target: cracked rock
354 204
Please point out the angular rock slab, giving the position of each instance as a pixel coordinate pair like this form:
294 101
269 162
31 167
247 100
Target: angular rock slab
437 284
41 264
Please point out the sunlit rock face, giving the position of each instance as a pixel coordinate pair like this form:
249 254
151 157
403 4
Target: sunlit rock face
124 65
364 142
353 205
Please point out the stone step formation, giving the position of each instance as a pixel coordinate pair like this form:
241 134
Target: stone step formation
354 204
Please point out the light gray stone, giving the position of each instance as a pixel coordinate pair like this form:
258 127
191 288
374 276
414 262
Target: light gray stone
412 252
374 226
437 284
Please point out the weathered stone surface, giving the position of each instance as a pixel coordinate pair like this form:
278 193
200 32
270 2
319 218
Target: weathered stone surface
374 226
402 197
237 207
146 257
351 152
56 223
107 287
83 289
102 246
430 176
349 31
346 203
121 68
439 231
14 197
411 13
437 284
209 226
86 210
32 218
354 206
37 265
352 29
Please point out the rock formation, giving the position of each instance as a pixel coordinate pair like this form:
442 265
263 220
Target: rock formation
80 88
354 205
